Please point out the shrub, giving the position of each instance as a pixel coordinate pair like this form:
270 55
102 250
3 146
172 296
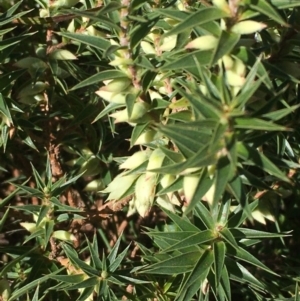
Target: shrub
149 150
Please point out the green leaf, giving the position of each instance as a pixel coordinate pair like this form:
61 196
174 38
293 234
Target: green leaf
228 237
73 257
89 282
238 273
110 107
179 264
252 233
244 255
201 267
265 8
201 104
222 175
11 264
278 114
249 88
32 285
48 231
140 31
226 43
98 17
182 223
281 4
219 259
202 212
117 262
137 131
69 278
9 13
196 239
93 248
97 42
198 18
184 62
254 157
236 188
5 110
225 282
184 137
11 195
15 40
250 59
257 124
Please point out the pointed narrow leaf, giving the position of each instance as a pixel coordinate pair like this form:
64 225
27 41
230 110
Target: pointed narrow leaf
198 18
221 178
240 274
265 8
229 238
257 124
196 239
201 267
239 215
244 255
73 256
92 41
188 61
179 264
276 115
257 158
226 43
100 77
219 258
205 216
236 188
251 233
225 282
183 223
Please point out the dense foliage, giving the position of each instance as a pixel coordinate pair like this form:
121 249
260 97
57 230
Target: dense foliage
149 150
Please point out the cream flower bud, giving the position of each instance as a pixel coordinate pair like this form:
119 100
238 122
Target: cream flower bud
147 48
120 116
91 167
30 227
64 235
203 43
135 160
145 137
222 4
228 62
119 98
168 43
239 68
121 61
163 202
64 3
144 193
138 111
119 186
155 161
248 27
234 79
117 85
94 185
190 184
131 207
5 290
166 181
